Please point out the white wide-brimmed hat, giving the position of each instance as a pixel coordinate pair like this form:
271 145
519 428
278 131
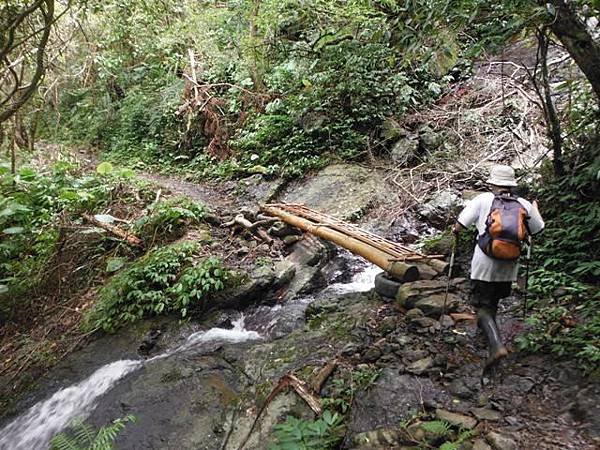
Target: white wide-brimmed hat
502 176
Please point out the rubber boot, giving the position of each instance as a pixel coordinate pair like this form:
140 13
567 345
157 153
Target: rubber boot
497 351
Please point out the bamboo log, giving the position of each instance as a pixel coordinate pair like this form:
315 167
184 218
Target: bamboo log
126 236
396 269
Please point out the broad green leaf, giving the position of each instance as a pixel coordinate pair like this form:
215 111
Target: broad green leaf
114 264
3 289
104 168
13 230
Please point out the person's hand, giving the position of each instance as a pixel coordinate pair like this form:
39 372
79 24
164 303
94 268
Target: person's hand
456 229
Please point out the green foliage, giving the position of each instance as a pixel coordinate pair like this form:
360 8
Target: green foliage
298 434
31 203
565 258
164 280
167 219
439 428
83 437
198 282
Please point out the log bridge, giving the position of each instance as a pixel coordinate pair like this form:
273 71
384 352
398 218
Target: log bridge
399 261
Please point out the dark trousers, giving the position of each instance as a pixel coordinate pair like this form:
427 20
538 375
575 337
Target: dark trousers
487 294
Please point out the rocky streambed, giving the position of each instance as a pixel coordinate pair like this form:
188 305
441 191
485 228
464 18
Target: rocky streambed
402 376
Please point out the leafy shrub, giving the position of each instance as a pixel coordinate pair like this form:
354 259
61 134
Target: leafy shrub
31 206
197 282
84 437
167 219
320 434
567 256
162 281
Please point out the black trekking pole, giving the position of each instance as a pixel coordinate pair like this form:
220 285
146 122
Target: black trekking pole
529 250
454 246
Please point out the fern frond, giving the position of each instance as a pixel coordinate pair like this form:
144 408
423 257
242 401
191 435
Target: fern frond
437 427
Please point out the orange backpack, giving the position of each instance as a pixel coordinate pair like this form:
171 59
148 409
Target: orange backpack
505 228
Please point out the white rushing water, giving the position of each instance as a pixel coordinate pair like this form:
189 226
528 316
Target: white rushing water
362 281
34 429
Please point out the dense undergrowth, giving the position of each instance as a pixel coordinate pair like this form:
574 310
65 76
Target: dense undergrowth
261 87
566 266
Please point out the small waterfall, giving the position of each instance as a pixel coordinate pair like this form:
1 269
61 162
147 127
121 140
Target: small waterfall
34 429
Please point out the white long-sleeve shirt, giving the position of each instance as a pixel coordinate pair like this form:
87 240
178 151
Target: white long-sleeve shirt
483 267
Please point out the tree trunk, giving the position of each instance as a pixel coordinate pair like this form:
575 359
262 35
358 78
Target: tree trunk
553 122
574 35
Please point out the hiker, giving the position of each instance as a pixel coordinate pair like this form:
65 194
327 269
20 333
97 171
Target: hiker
503 221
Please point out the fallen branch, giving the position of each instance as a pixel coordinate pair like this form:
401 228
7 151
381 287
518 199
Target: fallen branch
301 388
323 374
120 233
241 221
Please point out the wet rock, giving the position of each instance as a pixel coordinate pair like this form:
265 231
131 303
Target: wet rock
410 293
424 322
486 414
391 399
372 354
292 239
458 420
405 150
446 321
149 342
258 283
387 325
480 444
434 305
426 272
586 408
429 139
356 189
441 207
461 389
414 355
282 229
350 349
420 366
414 313
500 442
310 251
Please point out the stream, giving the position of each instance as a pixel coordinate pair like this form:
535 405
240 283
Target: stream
35 428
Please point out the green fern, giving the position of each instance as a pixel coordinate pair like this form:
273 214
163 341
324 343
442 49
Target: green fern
439 428
84 437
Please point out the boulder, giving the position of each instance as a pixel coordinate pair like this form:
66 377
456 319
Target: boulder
433 305
429 139
426 272
425 295
441 207
405 150
391 399
346 191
